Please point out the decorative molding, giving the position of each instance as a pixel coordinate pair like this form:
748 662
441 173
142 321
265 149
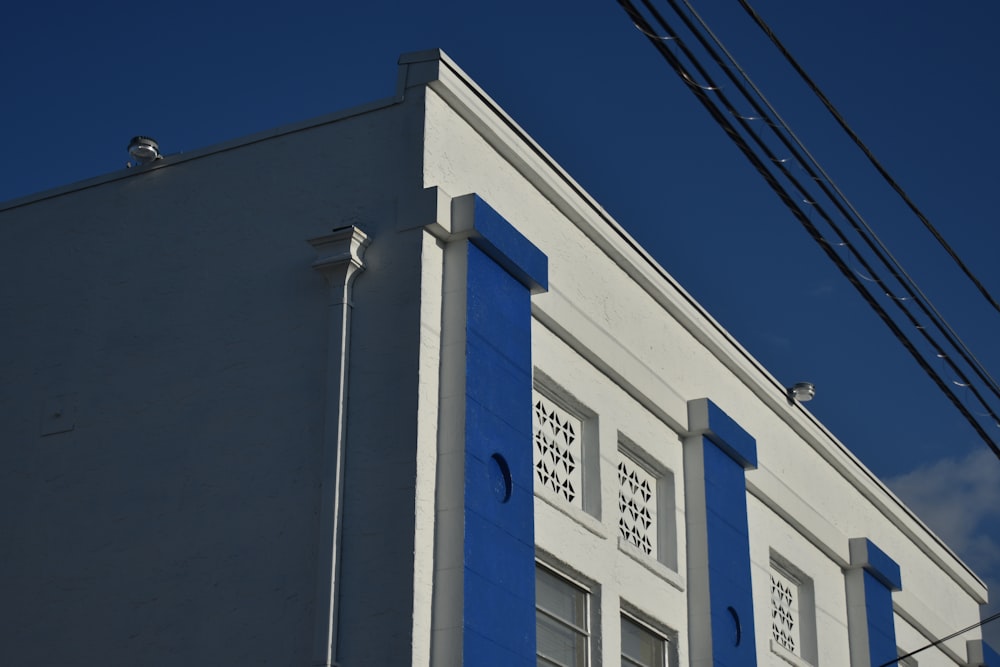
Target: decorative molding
340 259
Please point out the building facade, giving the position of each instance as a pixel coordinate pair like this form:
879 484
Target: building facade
389 388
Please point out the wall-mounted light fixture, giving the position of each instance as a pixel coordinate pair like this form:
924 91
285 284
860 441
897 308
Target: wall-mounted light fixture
144 150
802 391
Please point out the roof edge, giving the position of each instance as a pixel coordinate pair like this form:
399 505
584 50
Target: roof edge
470 101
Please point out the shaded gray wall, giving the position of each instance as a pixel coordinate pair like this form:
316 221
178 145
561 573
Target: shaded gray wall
173 318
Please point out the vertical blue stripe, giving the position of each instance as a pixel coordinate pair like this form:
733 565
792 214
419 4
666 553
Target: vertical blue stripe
730 591
499 543
881 627
727 451
880 577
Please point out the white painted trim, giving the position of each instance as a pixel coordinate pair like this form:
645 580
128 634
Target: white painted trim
974 649
589 522
912 610
428 409
651 564
789 657
796 511
583 335
449 494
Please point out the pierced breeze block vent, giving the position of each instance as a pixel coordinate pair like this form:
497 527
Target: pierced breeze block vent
558 450
784 611
636 505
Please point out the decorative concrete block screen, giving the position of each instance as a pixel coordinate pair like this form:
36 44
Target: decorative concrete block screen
558 451
636 504
785 628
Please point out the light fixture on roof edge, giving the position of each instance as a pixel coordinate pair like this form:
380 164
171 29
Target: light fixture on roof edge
802 391
144 150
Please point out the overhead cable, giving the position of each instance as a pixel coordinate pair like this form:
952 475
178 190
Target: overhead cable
822 178
868 153
701 93
942 640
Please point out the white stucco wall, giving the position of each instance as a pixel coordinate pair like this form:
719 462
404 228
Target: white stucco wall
623 337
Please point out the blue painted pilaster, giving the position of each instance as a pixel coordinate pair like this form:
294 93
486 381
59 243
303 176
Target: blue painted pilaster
503 270
871 580
721 596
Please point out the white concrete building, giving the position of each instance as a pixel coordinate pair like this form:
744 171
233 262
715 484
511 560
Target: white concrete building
475 424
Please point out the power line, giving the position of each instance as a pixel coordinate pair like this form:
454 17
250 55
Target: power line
701 91
942 640
822 178
864 148
710 86
853 217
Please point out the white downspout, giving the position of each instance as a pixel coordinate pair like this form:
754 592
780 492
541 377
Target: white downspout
340 258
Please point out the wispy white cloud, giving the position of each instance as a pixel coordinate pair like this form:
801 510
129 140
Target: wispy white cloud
959 499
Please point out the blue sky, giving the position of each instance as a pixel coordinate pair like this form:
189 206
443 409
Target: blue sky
917 80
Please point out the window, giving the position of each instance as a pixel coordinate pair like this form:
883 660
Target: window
558 451
562 621
641 647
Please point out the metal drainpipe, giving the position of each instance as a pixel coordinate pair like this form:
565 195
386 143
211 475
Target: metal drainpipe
340 259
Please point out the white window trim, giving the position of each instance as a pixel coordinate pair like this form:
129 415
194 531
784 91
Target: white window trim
592 605
666 512
637 471
806 606
574 513
590 458
788 656
654 626
656 567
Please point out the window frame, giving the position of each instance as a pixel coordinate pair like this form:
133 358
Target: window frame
805 612
663 659
583 632
664 509
589 465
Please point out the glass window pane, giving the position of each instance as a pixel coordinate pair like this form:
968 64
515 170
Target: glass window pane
560 598
641 647
562 636
559 643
